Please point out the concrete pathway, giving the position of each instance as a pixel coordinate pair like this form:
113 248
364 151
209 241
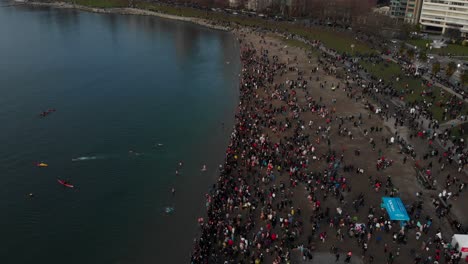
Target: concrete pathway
327 258
449 90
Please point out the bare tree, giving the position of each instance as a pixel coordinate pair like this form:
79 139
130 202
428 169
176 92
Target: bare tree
451 67
453 33
436 68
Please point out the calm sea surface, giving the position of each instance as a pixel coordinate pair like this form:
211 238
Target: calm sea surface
133 97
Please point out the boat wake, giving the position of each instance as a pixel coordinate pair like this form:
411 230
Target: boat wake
87 158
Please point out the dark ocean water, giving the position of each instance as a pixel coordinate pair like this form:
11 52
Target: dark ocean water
121 85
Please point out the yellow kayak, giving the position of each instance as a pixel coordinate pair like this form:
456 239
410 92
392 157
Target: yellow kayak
42 164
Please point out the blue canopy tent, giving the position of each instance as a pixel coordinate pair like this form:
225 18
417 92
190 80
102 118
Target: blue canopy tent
395 208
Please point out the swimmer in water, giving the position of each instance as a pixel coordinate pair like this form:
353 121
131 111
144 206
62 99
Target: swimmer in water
173 191
203 168
177 172
180 164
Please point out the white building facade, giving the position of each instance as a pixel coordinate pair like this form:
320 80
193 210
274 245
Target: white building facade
258 5
235 3
439 15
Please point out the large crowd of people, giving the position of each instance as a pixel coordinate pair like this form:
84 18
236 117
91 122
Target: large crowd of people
288 189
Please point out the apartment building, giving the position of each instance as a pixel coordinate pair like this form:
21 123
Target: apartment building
398 8
296 7
413 11
258 5
439 15
236 3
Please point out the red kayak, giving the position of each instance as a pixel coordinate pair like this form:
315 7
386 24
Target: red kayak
46 113
64 183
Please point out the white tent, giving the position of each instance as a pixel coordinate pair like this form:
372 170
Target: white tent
460 242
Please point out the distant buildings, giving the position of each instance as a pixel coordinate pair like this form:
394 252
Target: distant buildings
406 10
258 5
384 10
398 9
434 16
413 11
296 7
235 3
440 15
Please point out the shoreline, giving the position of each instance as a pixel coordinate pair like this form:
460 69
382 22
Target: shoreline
253 166
128 11
193 228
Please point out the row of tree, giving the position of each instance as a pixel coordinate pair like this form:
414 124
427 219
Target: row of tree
333 10
450 70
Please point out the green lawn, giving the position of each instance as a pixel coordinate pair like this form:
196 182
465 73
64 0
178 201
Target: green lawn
457 132
453 49
336 40
388 71
184 12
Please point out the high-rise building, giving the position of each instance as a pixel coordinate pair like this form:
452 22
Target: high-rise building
235 3
413 11
398 8
258 5
296 7
439 15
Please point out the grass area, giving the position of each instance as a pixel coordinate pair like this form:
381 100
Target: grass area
102 3
453 49
336 40
294 43
388 71
458 131
170 10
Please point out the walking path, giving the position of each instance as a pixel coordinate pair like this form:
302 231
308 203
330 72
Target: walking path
327 258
